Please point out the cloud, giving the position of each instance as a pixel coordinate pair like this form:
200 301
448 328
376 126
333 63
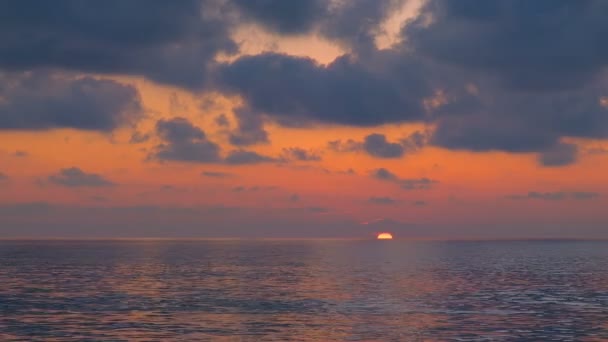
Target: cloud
422 183
184 142
164 41
555 196
3 176
559 155
349 145
255 188
216 174
419 203
382 200
417 183
41 101
539 45
139 137
297 89
222 120
300 154
289 17
20 154
294 198
352 24
75 177
384 174
376 145
250 130
241 157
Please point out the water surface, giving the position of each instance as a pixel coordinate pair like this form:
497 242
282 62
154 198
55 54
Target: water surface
303 290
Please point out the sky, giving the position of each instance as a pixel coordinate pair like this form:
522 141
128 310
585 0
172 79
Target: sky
437 119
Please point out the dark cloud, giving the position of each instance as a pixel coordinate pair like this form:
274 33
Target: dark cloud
289 17
139 137
384 174
376 145
166 41
254 188
184 142
241 157
423 183
519 75
344 92
75 177
555 196
250 130
349 145
300 154
20 154
216 174
39 101
596 150
419 203
543 44
559 155
382 200
352 24
294 198
222 120
417 183
3 176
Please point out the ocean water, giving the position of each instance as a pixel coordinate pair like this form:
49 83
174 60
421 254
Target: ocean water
303 290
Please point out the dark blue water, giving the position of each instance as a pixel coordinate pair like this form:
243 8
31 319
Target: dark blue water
303 290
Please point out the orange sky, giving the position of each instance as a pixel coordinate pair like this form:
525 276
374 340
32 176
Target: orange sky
471 188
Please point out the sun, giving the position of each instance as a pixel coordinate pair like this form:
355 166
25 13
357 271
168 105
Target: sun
385 236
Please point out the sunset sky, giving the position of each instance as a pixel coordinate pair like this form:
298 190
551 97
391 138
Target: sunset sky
304 118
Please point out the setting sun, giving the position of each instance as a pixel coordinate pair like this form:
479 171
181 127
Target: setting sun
385 236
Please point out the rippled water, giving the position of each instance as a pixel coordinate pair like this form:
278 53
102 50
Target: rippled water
303 290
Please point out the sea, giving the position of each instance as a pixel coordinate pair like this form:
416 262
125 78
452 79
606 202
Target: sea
303 290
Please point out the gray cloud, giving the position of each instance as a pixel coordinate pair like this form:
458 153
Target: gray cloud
20 154
250 130
75 177
376 145
555 196
139 137
255 188
559 155
241 157
222 120
165 41
300 154
289 17
384 200
216 174
422 183
384 174
39 101
184 142
417 183
3 176
297 89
